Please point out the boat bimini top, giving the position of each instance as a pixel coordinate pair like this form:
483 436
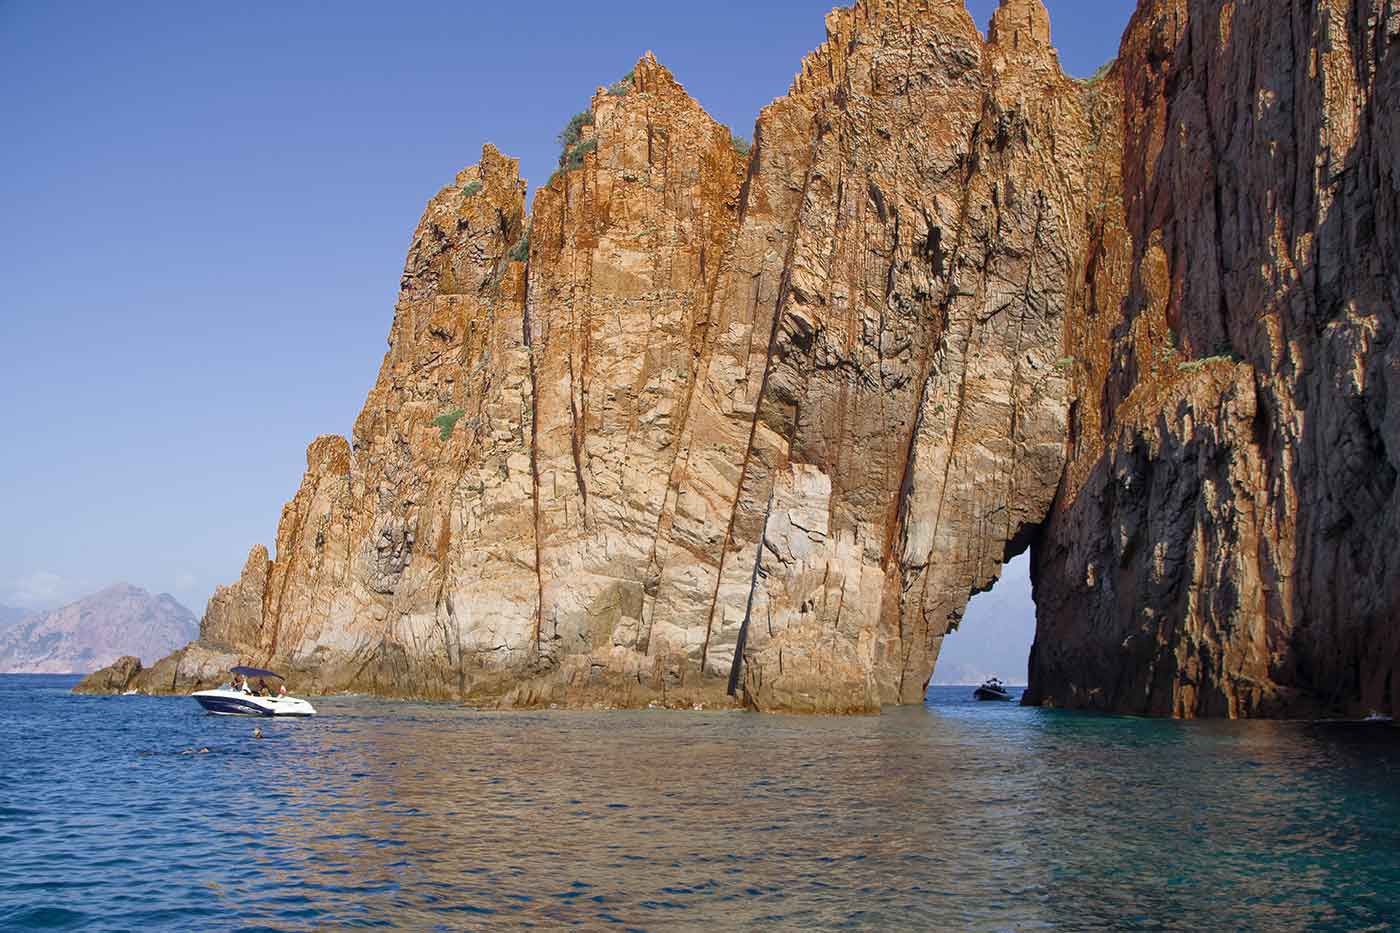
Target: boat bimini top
255 672
227 701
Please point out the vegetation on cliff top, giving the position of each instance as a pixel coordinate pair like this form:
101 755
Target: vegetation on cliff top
571 134
621 87
572 146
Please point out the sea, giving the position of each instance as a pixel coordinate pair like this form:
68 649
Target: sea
144 813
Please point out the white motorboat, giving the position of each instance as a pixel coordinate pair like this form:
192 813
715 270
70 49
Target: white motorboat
240 701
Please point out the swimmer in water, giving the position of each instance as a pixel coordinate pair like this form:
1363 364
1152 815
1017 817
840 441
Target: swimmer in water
257 732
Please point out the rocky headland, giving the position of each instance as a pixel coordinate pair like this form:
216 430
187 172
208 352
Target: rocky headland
716 426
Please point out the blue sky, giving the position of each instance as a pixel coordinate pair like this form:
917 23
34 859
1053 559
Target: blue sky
204 210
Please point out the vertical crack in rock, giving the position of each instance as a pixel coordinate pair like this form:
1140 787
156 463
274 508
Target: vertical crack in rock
527 339
702 345
737 662
926 375
576 429
784 288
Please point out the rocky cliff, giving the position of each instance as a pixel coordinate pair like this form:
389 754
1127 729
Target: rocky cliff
95 631
1222 543
708 426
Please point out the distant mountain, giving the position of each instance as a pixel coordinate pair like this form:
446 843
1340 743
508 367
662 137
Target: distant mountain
94 631
9 615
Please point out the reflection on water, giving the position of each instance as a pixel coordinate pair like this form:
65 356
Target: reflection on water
962 815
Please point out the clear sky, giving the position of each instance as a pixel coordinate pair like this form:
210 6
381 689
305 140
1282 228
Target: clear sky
204 210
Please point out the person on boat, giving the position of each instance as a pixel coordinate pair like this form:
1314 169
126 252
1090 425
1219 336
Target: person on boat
243 686
262 688
282 690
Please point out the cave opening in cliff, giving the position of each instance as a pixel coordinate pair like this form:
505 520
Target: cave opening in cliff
995 635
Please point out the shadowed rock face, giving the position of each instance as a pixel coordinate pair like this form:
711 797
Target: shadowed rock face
753 429
1223 543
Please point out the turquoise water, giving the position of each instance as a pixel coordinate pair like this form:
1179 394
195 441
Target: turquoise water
956 815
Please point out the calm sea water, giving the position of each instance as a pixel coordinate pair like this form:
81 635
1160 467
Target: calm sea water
959 815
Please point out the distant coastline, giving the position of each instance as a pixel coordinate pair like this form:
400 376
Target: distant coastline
94 631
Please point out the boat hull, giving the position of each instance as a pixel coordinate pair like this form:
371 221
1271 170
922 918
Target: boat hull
986 693
236 703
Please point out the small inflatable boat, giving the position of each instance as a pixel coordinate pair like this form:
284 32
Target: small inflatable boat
992 690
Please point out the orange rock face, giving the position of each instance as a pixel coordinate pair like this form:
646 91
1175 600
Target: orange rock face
715 428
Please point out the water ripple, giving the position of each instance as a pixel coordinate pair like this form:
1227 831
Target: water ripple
958 815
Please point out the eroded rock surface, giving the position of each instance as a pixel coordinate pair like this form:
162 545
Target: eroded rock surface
113 678
712 428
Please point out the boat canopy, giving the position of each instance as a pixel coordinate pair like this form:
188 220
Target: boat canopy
255 672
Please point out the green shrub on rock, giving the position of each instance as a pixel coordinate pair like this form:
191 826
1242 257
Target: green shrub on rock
1191 366
572 132
623 86
447 421
575 155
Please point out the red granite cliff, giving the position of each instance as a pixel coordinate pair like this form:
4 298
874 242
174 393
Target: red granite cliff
710 426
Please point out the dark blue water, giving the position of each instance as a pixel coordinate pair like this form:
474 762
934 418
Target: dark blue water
957 815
